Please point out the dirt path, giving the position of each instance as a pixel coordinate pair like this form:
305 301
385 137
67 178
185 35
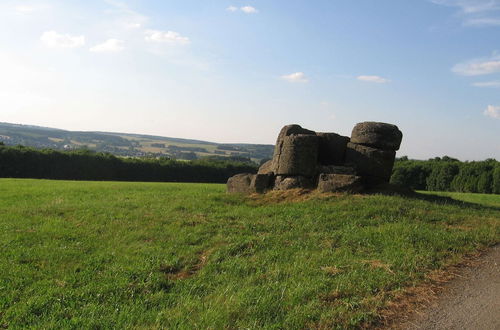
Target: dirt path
471 301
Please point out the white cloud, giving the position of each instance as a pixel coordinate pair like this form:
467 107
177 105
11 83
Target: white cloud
109 46
297 77
166 37
492 111
475 12
245 9
249 10
58 40
478 67
493 84
373 79
132 25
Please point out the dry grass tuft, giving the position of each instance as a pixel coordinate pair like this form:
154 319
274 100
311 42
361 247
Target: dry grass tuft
331 270
378 264
293 195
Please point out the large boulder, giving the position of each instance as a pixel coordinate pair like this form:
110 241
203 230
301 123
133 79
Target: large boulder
266 168
292 182
339 183
334 169
377 135
261 183
332 148
288 130
370 162
241 183
298 156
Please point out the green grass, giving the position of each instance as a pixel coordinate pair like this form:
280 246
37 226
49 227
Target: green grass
164 255
483 199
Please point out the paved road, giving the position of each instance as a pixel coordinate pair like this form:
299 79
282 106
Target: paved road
471 301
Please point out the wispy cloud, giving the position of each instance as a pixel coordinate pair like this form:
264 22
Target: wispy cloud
297 77
475 12
485 21
490 84
170 37
109 46
492 111
249 10
29 8
373 79
126 17
57 40
478 67
244 9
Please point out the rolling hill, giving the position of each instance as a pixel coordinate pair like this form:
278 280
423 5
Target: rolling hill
128 145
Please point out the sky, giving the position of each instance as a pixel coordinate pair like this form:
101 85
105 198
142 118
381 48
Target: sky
236 71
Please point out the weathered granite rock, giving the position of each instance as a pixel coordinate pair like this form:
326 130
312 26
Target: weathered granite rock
292 182
261 183
377 135
298 156
332 148
240 183
333 169
361 162
288 130
266 168
370 162
339 183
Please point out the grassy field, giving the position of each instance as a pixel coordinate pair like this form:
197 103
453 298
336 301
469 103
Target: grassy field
164 255
483 199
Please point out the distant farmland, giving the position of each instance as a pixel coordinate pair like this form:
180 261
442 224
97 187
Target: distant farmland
132 145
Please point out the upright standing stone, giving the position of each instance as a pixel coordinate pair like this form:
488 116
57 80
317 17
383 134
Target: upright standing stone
288 130
299 154
377 135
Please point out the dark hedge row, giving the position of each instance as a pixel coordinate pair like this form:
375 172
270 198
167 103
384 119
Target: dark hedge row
448 174
23 162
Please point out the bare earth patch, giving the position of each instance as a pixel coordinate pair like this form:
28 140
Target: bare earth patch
468 298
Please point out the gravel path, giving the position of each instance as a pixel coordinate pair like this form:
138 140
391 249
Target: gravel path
471 301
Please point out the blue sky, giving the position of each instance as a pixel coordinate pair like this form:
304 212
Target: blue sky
237 71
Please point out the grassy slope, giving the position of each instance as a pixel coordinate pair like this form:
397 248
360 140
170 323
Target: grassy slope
89 254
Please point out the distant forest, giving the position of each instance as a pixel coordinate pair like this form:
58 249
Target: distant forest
437 174
26 162
448 174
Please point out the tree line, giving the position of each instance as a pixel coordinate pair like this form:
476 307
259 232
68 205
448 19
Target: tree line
448 174
436 174
25 162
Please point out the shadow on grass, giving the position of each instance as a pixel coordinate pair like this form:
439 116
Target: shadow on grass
393 190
